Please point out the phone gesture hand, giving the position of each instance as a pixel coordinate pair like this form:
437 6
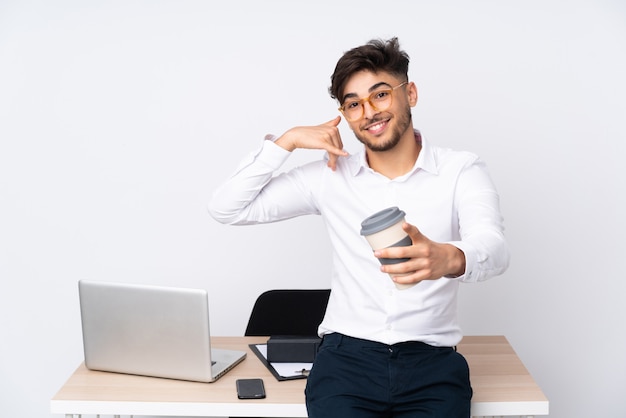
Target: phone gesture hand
325 136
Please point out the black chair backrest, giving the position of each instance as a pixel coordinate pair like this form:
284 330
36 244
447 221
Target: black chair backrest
288 312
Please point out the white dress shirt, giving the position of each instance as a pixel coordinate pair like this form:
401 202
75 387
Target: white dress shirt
448 196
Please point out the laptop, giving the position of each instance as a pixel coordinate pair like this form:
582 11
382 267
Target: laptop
150 331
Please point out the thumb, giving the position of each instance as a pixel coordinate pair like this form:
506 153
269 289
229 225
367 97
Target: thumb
413 232
334 122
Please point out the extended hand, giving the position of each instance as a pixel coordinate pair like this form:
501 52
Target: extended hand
325 136
429 260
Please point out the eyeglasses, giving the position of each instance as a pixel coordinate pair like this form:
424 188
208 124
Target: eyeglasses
380 100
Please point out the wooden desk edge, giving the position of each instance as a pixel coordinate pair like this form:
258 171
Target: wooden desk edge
186 409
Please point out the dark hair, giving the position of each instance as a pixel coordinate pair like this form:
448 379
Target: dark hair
375 56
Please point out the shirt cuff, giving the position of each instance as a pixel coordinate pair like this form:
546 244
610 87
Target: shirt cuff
470 263
272 154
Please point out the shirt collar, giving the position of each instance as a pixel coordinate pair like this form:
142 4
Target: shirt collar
425 160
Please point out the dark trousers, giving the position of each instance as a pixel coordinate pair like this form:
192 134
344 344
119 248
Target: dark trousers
365 379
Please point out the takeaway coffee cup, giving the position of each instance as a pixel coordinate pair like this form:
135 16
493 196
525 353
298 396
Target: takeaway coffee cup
384 229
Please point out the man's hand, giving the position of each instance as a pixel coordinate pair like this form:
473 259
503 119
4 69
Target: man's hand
429 260
325 136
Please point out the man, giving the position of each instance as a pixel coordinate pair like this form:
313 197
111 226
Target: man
385 352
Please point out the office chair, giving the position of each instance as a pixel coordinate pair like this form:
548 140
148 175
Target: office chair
288 312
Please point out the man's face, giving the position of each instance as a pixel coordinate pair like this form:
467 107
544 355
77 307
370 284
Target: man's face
381 130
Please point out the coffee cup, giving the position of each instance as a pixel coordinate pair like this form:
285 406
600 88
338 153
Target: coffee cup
384 229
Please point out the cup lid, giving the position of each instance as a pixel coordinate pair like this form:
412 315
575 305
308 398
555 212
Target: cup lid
381 220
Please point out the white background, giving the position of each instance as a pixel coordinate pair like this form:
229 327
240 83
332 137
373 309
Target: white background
118 119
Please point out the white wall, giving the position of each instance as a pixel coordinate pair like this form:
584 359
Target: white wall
119 118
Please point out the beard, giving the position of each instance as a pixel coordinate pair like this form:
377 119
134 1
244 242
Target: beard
403 122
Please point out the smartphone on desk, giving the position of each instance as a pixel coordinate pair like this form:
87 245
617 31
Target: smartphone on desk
250 388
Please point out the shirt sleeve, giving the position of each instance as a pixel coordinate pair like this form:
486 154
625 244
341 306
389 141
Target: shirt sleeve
255 193
481 225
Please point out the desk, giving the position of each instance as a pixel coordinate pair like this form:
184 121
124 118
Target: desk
502 387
